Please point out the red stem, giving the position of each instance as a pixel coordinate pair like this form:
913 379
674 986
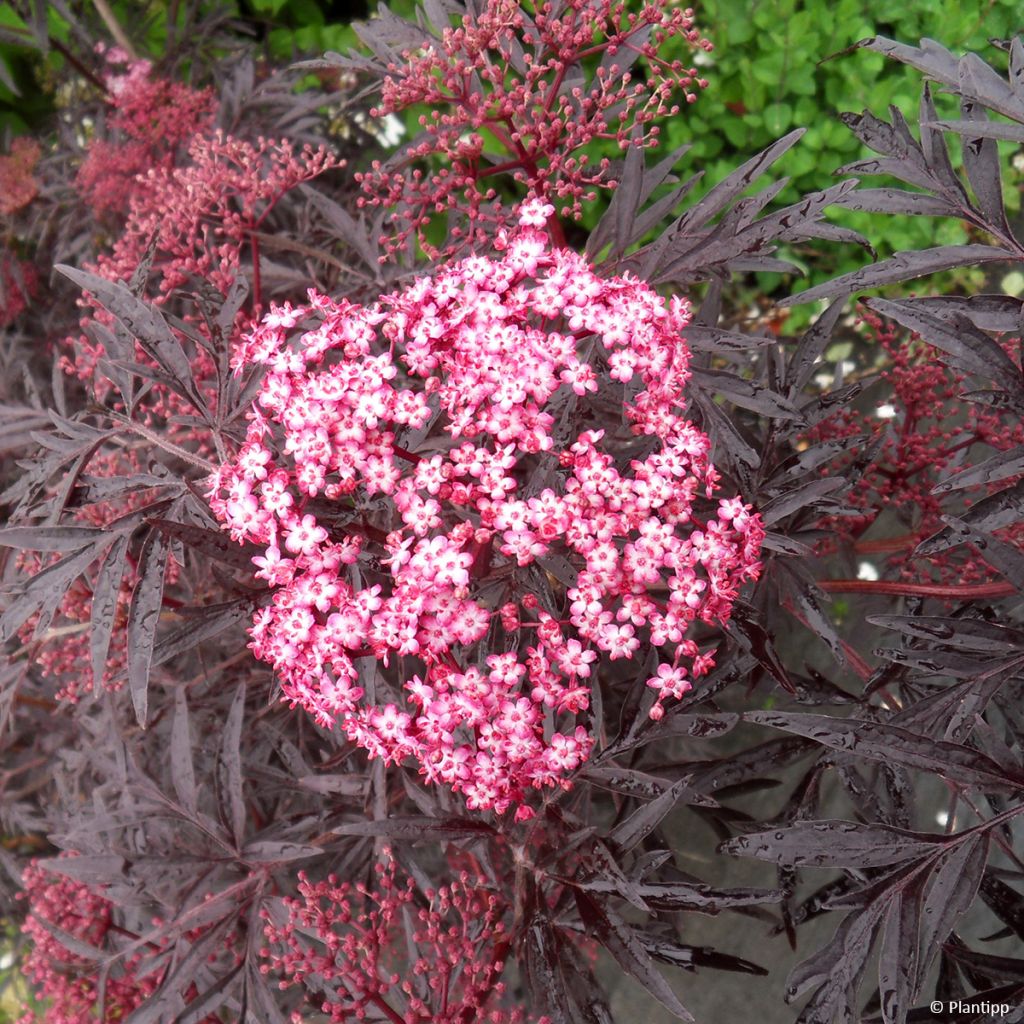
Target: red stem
959 592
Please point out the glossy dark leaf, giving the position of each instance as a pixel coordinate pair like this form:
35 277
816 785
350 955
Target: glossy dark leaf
836 969
878 741
991 470
835 844
898 201
692 957
212 543
644 820
215 619
272 851
49 538
543 957
898 967
606 927
800 497
143 617
47 586
950 894
1004 901
144 322
229 769
183 776
105 594
981 158
904 266
692 896
972 350
962 634
411 827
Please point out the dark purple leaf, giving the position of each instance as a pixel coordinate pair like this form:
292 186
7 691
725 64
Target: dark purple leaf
209 542
836 969
273 851
215 619
144 322
993 469
747 394
898 201
692 957
950 894
48 586
972 350
1004 901
691 896
898 966
105 593
644 820
543 958
813 342
143 617
835 844
800 497
963 634
878 741
412 827
214 997
735 184
49 538
182 771
903 266
229 769
607 928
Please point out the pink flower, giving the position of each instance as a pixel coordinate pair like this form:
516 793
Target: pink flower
435 532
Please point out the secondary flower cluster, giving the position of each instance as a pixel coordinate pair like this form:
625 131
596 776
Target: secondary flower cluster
413 476
64 979
17 185
507 94
150 118
193 200
924 435
392 953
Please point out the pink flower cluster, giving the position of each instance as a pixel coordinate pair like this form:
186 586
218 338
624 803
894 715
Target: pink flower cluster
18 187
924 434
66 981
412 476
389 953
511 95
150 118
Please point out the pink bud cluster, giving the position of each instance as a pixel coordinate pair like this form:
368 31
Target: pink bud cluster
507 94
388 952
19 281
200 210
65 981
411 476
924 436
60 647
150 118
18 187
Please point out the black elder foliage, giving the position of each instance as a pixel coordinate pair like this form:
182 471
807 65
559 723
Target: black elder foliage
823 742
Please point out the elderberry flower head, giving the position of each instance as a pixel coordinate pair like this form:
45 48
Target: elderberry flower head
427 504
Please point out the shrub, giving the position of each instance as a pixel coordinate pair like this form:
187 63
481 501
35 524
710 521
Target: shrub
541 548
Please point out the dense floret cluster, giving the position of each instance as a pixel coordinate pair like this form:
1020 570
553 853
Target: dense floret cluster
408 474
